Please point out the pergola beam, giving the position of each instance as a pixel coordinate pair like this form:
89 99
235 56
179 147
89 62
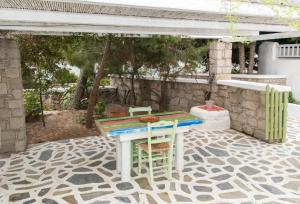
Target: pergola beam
273 36
63 22
71 29
63 18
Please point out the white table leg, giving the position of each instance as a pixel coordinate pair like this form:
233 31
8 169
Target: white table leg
179 153
125 148
119 153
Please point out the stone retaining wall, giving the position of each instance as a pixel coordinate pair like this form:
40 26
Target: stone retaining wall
182 96
53 99
246 109
12 117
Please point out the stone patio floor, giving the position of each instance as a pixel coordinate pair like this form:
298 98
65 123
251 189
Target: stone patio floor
220 167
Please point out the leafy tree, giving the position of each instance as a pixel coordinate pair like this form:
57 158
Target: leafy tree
83 53
95 90
40 58
31 105
63 76
172 56
129 57
164 56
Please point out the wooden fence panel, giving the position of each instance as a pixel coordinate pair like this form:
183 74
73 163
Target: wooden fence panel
276 115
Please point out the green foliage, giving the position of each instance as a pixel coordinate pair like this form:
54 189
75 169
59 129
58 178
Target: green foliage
292 99
32 104
162 55
99 108
105 81
84 52
67 98
63 76
40 59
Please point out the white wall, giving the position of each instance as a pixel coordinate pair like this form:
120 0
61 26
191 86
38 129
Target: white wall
294 111
270 64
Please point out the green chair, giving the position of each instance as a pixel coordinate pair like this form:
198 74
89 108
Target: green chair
134 143
139 110
159 147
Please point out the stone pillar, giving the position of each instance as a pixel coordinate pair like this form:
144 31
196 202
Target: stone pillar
12 116
220 65
220 55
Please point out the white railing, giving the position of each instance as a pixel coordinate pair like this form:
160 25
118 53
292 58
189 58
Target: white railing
289 51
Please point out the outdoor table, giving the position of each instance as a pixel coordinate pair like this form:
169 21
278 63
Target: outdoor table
126 129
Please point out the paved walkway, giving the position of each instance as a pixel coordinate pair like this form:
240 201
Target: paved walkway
220 167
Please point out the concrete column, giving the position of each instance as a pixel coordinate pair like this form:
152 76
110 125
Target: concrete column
12 116
220 55
267 56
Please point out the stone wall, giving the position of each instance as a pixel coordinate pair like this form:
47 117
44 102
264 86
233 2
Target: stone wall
54 98
246 109
12 117
268 79
182 96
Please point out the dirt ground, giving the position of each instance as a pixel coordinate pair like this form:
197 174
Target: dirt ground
59 125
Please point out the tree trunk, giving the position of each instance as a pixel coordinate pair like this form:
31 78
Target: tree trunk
242 58
42 107
80 87
251 57
94 93
132 100
163 96
134 73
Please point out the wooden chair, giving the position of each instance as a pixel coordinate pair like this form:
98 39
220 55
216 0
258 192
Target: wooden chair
134 143
139 110
159 147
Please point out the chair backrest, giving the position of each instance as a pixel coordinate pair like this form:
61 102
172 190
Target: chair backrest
161 132
139 109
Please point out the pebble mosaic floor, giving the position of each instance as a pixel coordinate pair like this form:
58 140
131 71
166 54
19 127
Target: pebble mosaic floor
220 167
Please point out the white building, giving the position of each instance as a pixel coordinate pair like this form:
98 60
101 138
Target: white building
281 60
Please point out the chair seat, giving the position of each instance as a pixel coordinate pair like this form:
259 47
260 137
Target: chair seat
160 147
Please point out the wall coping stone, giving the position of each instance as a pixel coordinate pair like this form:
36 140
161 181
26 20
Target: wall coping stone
252 85
258 76
178 79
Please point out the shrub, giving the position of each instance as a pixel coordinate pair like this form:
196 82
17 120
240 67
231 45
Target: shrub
67 98
32 105
99 108
63 76
105 81
292 99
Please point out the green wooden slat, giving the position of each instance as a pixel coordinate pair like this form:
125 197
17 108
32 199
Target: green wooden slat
285 105
276 115
267 119
280 116
272 115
